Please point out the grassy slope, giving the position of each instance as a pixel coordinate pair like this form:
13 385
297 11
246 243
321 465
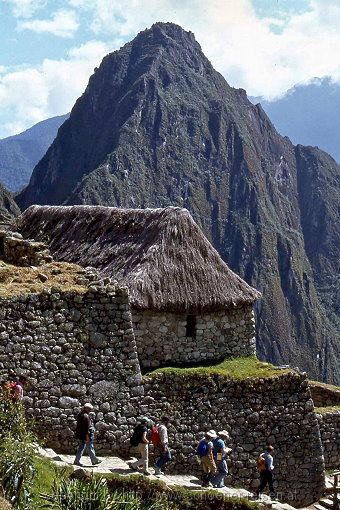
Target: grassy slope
46 473
235 368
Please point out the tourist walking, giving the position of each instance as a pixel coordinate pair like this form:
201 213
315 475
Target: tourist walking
139 439
85 434
205 453
159 437
265 466
220 452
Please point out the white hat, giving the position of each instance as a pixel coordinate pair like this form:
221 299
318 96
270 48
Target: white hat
212 434
224 433
88 405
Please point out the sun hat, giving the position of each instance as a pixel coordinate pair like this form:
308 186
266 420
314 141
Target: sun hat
212 434
224 433
88 405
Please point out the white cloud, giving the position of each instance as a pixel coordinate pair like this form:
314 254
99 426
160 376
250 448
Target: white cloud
63 23
34 94
241 45
24 8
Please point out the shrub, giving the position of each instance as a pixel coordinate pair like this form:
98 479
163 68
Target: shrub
93 495
16 453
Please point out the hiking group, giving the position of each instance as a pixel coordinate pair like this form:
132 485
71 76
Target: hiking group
211 451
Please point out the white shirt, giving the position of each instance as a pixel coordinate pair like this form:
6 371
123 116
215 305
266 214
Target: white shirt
163 434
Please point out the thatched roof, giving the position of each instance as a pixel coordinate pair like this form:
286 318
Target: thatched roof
161 255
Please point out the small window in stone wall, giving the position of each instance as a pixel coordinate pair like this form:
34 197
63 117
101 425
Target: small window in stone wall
191 326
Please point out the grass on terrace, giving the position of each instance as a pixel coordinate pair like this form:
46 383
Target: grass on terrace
328 409
234 368
324 385
18 280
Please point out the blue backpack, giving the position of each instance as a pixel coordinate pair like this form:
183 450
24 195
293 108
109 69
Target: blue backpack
202 448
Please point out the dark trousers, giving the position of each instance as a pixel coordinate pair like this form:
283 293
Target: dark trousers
266 477
164 456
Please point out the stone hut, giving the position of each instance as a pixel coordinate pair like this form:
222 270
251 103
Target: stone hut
187 305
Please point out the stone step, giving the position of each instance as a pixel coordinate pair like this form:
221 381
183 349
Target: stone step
277 505
45 452
316 506
326 503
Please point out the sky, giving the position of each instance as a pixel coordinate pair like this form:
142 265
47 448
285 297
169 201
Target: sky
49 48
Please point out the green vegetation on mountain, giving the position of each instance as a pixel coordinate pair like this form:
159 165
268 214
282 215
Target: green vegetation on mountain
158 126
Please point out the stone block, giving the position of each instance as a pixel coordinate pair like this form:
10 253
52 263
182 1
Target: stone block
68 402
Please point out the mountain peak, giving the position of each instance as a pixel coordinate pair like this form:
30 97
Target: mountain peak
165 31
150 46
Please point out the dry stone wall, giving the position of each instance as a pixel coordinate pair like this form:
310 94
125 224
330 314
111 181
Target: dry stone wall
329 423
23 252
161 337
324 396
256 412
75 347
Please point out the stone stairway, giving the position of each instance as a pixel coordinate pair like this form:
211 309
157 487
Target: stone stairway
118 466
327 502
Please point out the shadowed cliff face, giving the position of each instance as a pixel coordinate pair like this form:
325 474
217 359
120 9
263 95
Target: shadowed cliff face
158 126
8 207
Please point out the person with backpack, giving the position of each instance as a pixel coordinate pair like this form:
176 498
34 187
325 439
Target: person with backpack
85 434
265 467
139 439
159 438
205 453
220 452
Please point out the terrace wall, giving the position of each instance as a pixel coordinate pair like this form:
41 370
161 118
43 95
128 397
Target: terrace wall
329 423
75 348
277 410
324 395
161 337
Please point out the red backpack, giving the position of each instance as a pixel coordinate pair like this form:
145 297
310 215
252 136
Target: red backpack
155 437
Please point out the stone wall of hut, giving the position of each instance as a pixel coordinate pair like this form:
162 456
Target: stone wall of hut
162 339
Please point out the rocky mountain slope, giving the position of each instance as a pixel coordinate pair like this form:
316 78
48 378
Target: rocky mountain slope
20 153
158 126
308 114
8 207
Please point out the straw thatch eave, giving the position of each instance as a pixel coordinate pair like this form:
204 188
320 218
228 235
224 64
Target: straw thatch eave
161 255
